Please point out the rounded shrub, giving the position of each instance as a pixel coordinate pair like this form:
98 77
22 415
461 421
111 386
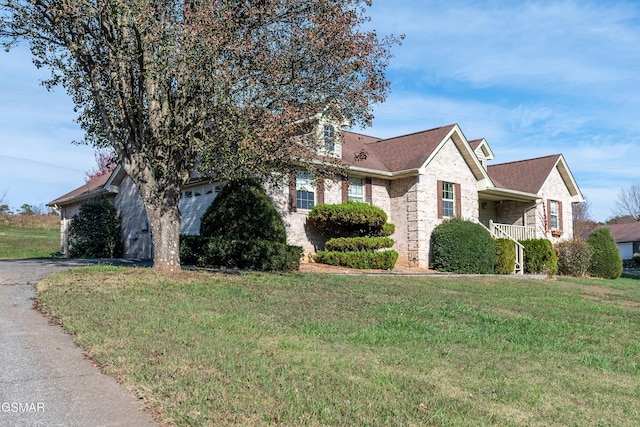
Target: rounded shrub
606 261
94 231
343 244
505 256
636 260
353 219
383 260
461 246
573 258
539 257
243 211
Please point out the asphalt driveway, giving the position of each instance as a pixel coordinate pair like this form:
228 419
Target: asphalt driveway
44 378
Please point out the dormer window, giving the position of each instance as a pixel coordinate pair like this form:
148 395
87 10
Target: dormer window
329 138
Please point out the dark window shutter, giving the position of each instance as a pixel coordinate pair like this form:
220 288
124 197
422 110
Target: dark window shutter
345 189
548 214
292 192
439 198
320 192
458 199
367 191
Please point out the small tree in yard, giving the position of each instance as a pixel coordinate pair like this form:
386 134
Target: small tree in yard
606 261
230 85
94 231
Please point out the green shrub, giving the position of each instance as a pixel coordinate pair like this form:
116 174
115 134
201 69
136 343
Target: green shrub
460 246
505 256
605 257
94 231
353 219
574 258
384 260
343 244
636 260
539 257
258 255
243 211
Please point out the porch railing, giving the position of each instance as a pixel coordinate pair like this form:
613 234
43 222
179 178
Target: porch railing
514 232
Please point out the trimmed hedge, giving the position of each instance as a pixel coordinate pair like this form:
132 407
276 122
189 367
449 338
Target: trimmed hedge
343 244
606 261
505 256
461 246
352 219
243 211
574 258
384 260
259 255
94 231
539 257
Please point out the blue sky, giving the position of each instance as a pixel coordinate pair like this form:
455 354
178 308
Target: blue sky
533 78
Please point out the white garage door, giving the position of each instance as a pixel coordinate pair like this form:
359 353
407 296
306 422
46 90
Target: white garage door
626 250
194 202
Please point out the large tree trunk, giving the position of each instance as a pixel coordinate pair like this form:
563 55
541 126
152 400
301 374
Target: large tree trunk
165 233
161 200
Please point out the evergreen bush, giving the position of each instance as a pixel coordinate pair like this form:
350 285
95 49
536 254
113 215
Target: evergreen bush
241 229
243 211
574 258
352 219
460 246
356 232
539 257
342 244
636 260
220 252
383 260
94 231
505 256
606 261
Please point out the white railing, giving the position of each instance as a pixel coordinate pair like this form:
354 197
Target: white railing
514 232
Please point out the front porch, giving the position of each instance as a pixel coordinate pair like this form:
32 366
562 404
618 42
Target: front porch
510 217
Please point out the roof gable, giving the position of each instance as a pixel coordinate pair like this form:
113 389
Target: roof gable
530 175
85 191
407 153
410 151
481 146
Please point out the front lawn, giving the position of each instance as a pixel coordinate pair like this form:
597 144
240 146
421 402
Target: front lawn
311 349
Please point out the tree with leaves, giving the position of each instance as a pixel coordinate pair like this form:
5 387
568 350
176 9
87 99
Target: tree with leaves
105 164
230 85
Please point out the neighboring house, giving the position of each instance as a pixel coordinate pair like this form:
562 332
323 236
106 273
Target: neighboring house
419 180
627 237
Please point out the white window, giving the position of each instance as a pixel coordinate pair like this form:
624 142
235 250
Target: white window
329 138
305 191
553 214
356 190
448 200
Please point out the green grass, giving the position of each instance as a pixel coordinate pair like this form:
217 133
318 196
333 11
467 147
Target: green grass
204 349
29 242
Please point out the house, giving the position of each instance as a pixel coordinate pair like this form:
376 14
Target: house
419 180
627 237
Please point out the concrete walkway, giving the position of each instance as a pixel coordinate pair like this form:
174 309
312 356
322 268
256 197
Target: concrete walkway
44 378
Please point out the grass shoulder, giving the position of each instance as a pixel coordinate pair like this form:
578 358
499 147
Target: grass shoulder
310 349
